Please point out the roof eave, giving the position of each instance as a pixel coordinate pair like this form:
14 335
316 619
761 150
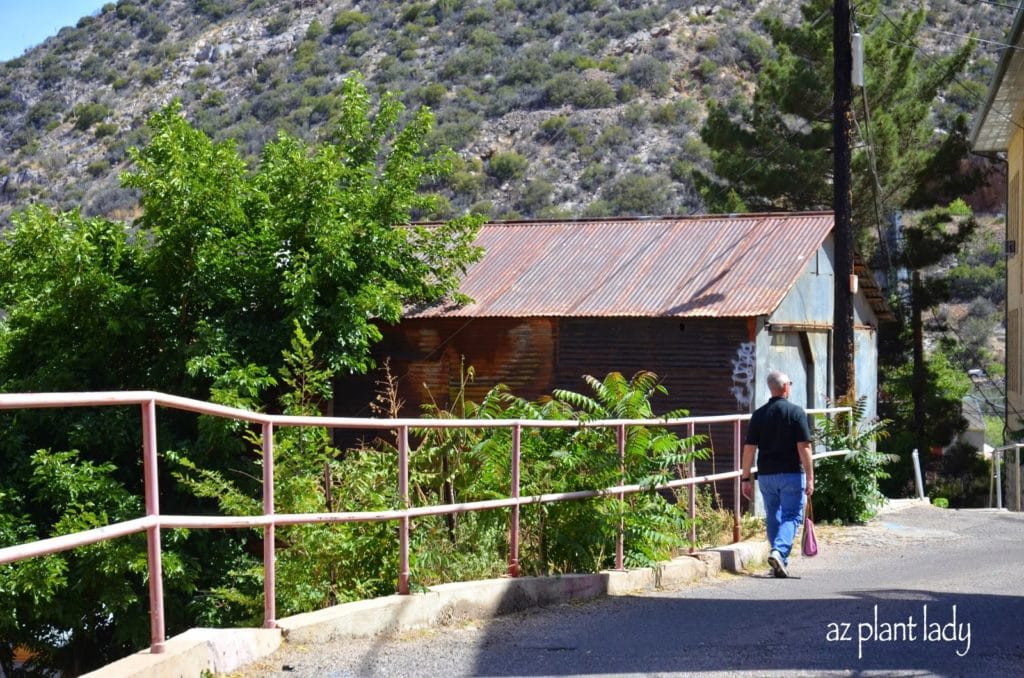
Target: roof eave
982 118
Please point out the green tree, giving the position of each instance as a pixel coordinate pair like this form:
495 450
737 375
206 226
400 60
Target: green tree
775 153
201 297
933 237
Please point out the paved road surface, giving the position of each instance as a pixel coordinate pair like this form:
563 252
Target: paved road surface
921 591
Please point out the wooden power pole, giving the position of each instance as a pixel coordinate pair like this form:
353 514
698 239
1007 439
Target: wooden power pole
842 333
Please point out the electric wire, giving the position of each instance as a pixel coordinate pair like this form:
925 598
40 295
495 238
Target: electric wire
993 3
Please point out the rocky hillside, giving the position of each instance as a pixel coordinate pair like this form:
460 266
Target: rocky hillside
555 107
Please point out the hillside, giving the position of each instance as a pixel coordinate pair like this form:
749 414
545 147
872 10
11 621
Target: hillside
555 108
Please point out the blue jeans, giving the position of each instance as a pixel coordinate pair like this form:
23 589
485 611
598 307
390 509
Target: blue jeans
784 499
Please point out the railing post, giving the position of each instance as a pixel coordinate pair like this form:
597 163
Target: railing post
917 473
156 578
690 432
1016 478
513 536
736 465
997 459
269 546
403 522
619 542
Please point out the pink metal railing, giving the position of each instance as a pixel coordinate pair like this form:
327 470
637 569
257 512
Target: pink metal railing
154 521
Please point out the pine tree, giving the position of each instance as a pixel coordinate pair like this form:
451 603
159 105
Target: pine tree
776 153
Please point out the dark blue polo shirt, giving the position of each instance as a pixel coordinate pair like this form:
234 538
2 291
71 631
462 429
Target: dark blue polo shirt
776 427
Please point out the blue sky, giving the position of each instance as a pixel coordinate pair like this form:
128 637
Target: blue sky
26 23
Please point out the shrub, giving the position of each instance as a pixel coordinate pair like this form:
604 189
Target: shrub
477 15
553 129
665 114
594 94
612 137
599 208
481 37
536 196
454 134
707 69
469 184
634 116
315 30
846 488
348 19
562 88
98 168
627 92
483 207
432 94
214 99
594 175
278 24
9 103
507 166
43 111
648 73
359 42
87 115
93 69
681 170
151 76
638 194
105 129
215 9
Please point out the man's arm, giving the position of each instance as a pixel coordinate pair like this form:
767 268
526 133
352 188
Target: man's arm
747 485
804 450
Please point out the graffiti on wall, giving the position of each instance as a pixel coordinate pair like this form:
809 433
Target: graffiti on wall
743 366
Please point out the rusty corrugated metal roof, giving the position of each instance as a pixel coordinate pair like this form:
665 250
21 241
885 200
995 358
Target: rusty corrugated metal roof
709 266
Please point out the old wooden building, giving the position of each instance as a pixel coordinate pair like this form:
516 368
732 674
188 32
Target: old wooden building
708 303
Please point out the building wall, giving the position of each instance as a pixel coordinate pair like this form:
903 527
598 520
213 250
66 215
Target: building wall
797 339
696 358
1014 282
700 361
431 360
706 365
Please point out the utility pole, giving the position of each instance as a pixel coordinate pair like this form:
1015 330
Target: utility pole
842 332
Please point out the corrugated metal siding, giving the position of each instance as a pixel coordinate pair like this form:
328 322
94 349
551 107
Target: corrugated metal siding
426 356
534 356
712 266
692 357
694 360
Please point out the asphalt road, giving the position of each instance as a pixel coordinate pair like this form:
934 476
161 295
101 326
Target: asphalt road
920 591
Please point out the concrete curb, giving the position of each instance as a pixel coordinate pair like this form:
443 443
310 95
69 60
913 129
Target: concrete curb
225 650
195 651
737 557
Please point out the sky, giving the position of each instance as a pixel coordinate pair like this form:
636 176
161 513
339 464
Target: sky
26 23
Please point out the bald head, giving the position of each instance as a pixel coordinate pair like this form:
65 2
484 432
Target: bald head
778 383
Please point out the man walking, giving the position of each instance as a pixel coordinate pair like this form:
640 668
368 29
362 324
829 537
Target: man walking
785 470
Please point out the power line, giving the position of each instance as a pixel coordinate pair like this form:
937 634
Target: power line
1001 45
966 88
993 3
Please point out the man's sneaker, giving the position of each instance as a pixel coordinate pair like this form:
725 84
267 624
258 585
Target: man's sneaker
778 567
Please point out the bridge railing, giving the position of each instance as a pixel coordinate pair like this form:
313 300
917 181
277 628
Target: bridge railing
154 521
